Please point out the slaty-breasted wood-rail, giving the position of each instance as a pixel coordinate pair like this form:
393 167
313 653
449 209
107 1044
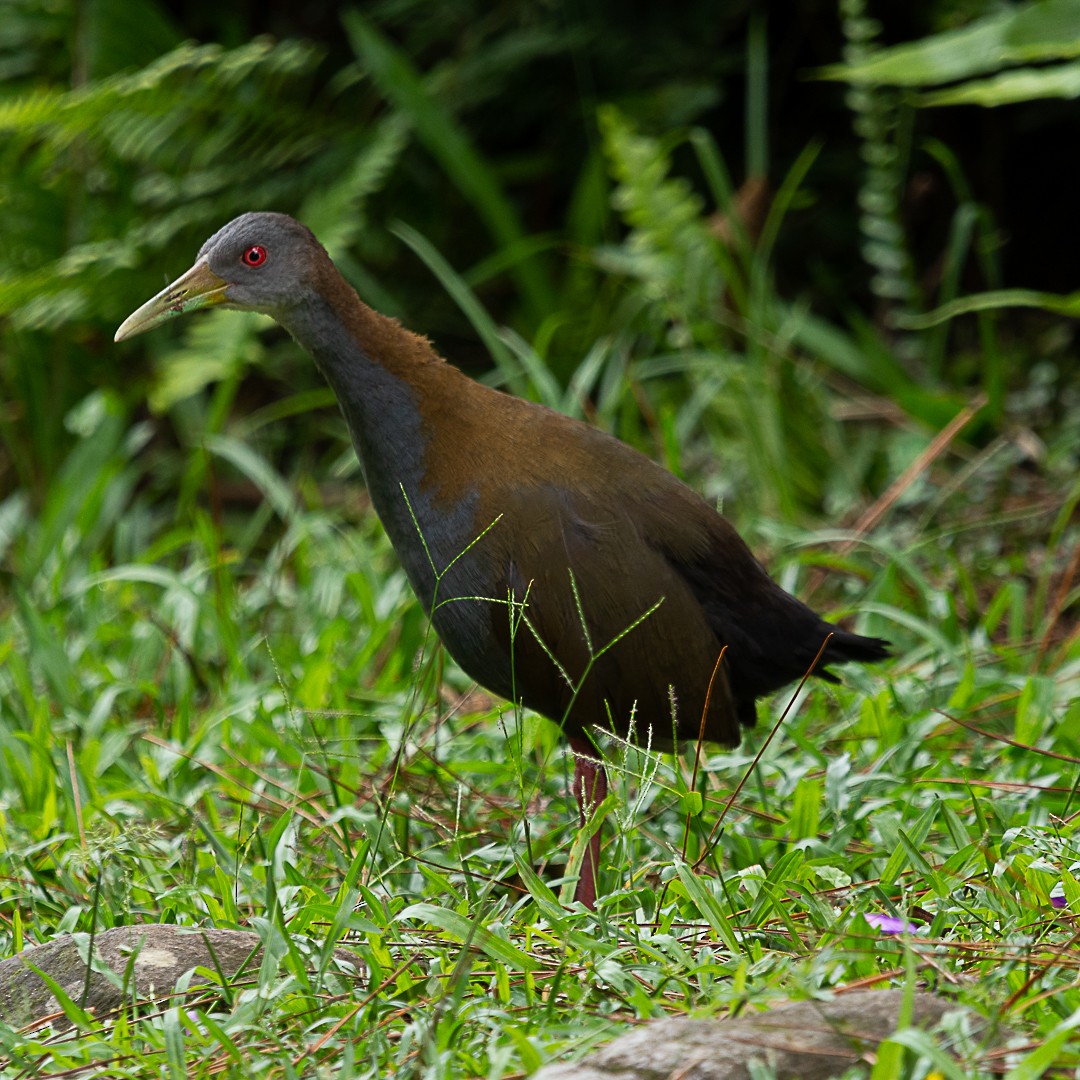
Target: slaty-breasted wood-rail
583 541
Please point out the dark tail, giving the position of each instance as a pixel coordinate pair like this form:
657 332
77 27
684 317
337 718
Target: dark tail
845 647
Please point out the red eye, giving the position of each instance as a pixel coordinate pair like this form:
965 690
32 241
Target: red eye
254 256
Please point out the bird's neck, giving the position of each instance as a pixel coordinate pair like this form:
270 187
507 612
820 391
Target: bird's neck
387 380
371 364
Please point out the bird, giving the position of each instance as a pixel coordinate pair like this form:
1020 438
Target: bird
562 569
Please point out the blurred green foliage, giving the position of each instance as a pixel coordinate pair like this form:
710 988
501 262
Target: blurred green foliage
567 167
561 221
219 702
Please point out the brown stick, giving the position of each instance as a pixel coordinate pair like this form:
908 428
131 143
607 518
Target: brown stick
896 489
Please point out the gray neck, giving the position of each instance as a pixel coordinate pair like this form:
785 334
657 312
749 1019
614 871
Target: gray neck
384 419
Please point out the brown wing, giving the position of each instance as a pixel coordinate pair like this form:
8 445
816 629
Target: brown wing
609 627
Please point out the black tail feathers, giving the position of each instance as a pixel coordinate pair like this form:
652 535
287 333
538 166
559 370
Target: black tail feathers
845 647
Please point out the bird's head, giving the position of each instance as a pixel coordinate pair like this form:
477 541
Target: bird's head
258 262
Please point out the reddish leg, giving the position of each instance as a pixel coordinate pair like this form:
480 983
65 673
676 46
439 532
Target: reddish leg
590 790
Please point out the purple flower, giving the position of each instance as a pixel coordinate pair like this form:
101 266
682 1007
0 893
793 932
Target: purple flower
890 924
1057 893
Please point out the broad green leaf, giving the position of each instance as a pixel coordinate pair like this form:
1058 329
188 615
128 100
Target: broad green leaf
1048 30
1010 87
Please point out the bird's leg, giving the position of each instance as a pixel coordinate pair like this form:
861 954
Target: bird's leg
590 790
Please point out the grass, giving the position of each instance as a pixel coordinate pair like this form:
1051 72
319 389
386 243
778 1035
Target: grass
240 719
221 706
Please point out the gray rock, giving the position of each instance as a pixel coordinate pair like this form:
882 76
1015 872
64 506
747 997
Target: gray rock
130 963
799 1040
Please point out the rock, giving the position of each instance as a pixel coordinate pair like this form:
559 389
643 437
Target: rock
130 963
799 1040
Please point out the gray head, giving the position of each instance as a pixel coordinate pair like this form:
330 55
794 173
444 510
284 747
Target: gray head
258 262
